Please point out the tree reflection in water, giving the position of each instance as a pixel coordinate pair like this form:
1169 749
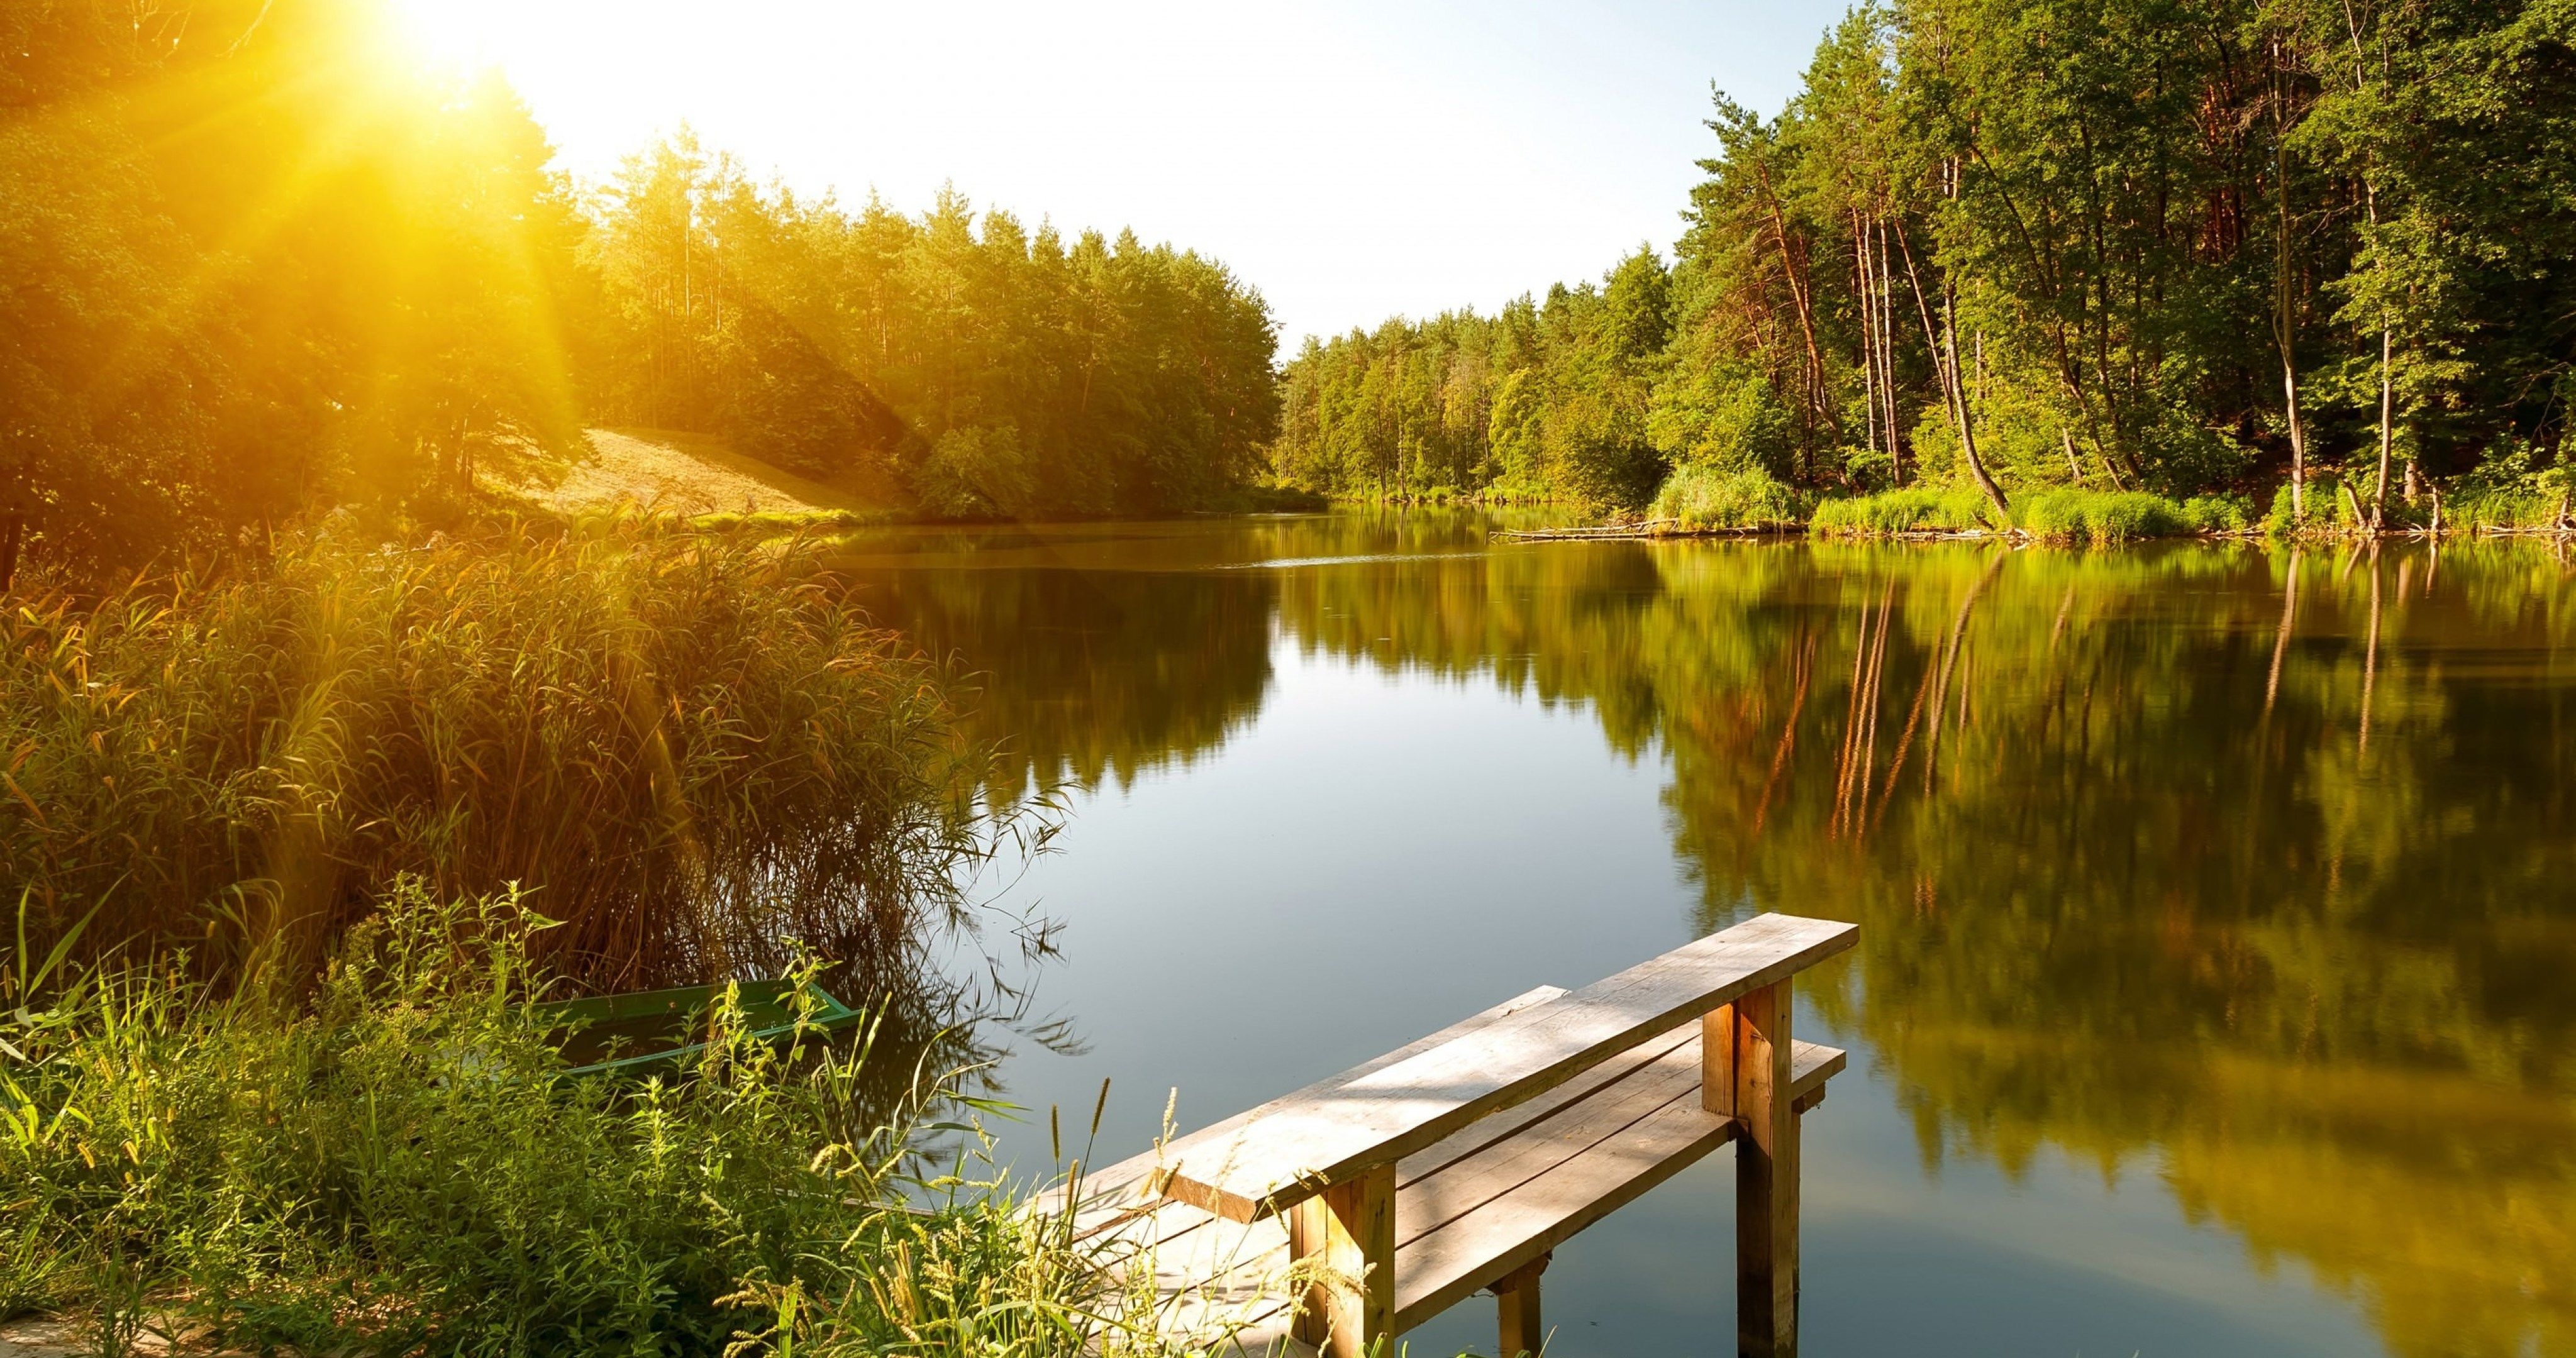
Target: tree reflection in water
2162 863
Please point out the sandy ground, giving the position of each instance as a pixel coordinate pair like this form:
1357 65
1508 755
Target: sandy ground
680 474
41 1337
34 1338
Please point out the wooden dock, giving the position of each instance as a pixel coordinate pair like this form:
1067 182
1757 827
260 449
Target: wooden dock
1363 1205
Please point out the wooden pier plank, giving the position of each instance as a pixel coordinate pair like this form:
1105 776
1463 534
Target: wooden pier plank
1462 1222
1509 1122
1524 1216
1301 1144
1119 1190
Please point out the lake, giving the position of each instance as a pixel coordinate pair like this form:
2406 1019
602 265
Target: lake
2216 985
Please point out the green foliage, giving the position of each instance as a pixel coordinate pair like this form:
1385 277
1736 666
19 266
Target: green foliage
265 266
1722 414
2507 491
954 361
1546 400
2064 243
264 269
978 474
400 1167
687 746
1698 499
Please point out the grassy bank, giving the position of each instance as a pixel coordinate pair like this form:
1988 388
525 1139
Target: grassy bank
1704 500
397 1164
2062 515
1699 500
683 745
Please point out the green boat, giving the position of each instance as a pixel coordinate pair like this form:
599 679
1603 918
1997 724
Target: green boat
643 1029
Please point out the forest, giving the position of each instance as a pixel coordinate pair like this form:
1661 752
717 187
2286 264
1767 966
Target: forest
2312 255
263 266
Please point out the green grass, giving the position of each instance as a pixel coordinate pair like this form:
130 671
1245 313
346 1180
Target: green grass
1913 509
1698 500
2105 517
1703 499
397 1164
686 746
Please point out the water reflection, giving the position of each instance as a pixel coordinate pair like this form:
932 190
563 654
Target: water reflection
2242 869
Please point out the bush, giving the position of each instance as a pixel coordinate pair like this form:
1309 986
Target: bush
1700 499
689 747
977 473
2102 517
403 1167
2219 513
1913 509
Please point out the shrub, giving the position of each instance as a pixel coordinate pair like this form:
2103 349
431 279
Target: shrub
2219 513
689 747
402 1167
1698 499
977 473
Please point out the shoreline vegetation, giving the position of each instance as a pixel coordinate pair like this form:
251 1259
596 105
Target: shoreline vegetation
2002 266
268 1166
1700 503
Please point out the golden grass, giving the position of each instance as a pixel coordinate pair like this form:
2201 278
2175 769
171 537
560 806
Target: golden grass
685 745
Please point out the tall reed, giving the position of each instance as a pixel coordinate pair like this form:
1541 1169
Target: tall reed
685 747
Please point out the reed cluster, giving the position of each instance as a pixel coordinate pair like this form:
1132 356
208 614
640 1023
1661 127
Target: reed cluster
1700 499
685 747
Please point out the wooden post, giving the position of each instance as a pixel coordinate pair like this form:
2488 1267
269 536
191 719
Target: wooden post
1516 1298
1766 1176
1348 1230
1717 1060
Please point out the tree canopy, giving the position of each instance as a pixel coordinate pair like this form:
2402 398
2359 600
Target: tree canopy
2179 245
261 265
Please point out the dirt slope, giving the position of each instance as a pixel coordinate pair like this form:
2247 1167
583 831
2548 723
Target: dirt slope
681 474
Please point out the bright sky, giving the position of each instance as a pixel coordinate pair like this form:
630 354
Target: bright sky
1350 159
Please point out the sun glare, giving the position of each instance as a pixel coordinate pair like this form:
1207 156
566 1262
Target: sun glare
460 35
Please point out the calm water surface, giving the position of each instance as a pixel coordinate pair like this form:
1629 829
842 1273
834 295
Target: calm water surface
2216 991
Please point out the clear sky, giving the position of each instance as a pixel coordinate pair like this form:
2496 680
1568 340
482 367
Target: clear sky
1352 160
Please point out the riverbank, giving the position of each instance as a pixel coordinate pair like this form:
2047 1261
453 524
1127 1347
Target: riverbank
1696 502
700 481
291 851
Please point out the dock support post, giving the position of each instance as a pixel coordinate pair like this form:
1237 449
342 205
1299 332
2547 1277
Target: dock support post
1516 1299
1348 1231
1744 1053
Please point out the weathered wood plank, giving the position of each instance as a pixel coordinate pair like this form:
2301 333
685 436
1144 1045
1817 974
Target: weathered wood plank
1210 1278
1300 1145
1466 1185
1508 1123
1120 1190
1492 1221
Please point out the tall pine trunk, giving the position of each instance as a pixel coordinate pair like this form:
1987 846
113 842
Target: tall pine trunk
2285 315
